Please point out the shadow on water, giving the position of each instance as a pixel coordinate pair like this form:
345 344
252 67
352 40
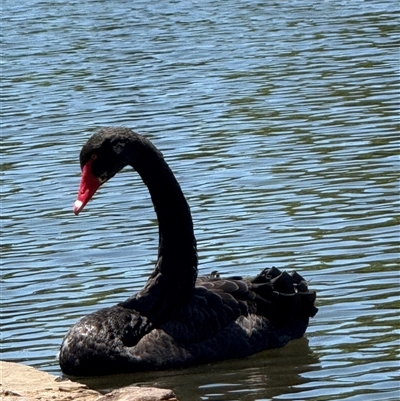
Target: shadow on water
264 375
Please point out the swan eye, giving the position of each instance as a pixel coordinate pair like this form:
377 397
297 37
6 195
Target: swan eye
118 147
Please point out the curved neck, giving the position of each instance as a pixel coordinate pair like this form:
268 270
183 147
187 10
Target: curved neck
172 282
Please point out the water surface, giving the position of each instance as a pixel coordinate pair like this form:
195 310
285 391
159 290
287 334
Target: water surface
280 121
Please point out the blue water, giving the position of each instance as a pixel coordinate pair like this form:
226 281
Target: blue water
280 121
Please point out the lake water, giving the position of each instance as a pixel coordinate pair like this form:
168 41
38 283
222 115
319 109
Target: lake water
281 122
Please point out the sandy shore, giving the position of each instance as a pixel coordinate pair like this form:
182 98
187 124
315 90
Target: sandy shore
24 383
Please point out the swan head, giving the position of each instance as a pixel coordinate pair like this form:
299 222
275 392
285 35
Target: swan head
102 156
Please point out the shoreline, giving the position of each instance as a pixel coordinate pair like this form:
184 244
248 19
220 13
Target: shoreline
24 383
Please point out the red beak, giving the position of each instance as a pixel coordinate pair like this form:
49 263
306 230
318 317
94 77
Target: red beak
89 185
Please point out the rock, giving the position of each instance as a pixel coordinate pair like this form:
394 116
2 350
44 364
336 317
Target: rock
134 393
24 383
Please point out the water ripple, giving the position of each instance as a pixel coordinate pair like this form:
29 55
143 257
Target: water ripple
281 124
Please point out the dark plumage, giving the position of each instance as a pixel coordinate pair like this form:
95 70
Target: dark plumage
177 319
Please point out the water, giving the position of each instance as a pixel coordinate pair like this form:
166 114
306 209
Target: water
281 123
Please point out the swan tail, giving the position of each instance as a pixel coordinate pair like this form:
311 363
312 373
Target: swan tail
282 297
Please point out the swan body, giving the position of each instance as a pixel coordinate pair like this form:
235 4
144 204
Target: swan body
177 319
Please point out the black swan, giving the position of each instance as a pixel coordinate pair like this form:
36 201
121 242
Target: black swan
177 319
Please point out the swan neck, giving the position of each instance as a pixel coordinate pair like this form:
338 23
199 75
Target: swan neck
172 282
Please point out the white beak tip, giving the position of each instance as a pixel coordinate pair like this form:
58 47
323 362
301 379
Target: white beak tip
78 206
